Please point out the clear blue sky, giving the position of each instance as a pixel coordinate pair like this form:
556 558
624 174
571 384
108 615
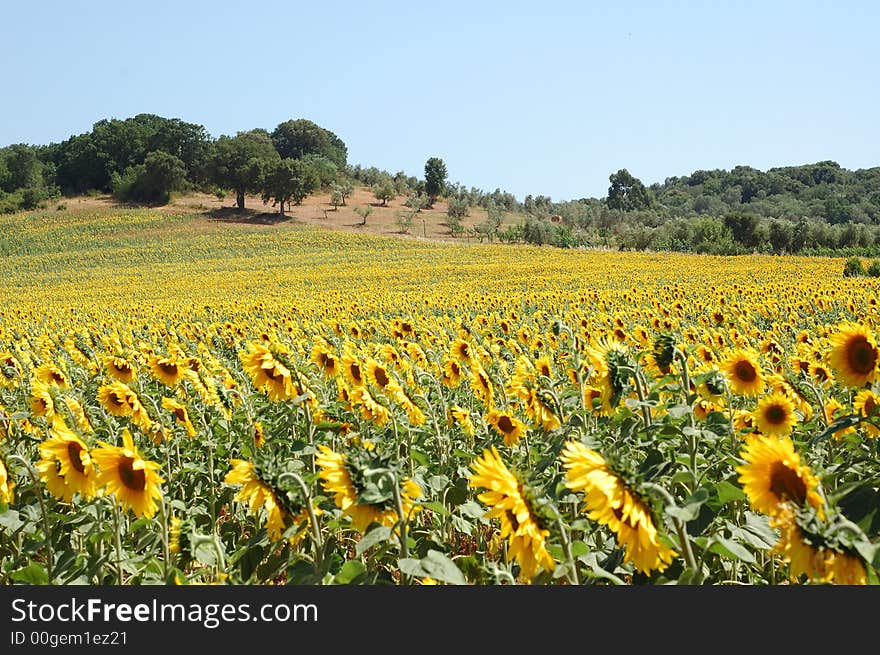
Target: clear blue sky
532 97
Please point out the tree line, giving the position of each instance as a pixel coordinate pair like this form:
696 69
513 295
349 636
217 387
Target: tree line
818 208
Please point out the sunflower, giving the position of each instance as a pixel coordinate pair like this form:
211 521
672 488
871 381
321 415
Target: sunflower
381 378
168 370
48 373
506 425
507 502
463 418
65 465
325 359
832 411
259 434
820 373
610 501
180 414
337 479
257 494
774 478
482 386
462 351
370 408
743 373
10 370
452 374
41 401
115 397
774 415
353 370
810 553
120 400
133 480
76 409
867 404
120 368
267 373
7 486
853 355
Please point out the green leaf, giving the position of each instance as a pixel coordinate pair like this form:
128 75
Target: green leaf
350 572
733 550
678 411
31 574
438 482
375 536
411 566
691 508
579 548
436 507
10 520
438 566
728 492
472 509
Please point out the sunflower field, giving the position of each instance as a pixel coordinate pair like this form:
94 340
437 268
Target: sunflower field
187 402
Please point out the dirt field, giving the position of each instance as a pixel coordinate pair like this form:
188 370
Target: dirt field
314 210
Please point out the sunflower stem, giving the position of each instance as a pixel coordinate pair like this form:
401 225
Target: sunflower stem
680 528
401 520
313 520
166 551
117 542
640 390
45 516
573 576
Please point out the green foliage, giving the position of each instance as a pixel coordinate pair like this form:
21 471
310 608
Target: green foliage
384 191
457 207
294 139
626 192
404 220
151 182
363 212
288 180
239 162
873 269
435 179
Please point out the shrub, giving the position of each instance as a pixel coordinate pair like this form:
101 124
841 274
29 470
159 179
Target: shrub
853 267
874 268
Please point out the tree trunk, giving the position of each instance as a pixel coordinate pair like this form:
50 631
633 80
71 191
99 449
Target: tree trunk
281 207
239 198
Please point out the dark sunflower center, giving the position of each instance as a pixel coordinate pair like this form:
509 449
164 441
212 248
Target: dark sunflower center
116 401
861 356
381 377
73 451
545 371
168 369
870 407
123 368
275 375
355 372
453 367
776 414
506 425
745 372
57 377
136 480
787 484
180 413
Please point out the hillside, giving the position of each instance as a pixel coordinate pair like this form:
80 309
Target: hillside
315 210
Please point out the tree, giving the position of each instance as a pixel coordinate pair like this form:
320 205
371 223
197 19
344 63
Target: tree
296 138
384 191
238 162
435 179
363 212
153 181
627 192
288 180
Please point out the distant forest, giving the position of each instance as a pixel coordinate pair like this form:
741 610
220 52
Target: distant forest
819 208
